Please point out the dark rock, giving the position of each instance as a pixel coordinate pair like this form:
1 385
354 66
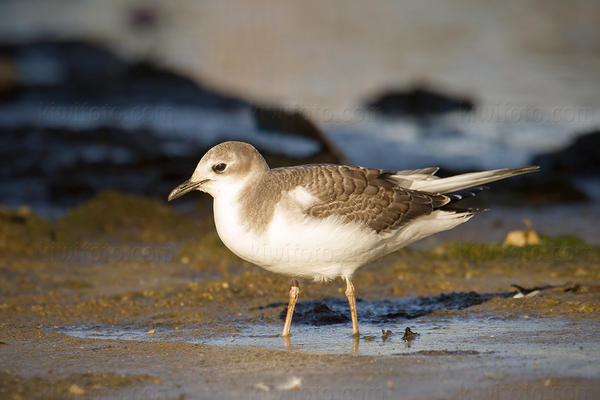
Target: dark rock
541 188
582 157
419 101
113 125
537 190
336 310
9 78
74 72
63 167
317 313
273 119
389 310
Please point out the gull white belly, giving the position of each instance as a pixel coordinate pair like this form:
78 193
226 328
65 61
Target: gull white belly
299 245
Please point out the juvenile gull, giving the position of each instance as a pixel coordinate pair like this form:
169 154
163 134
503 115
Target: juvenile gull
324 221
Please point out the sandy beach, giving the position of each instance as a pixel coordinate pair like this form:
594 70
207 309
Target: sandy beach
162 310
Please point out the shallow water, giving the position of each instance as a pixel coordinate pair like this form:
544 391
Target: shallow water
560 347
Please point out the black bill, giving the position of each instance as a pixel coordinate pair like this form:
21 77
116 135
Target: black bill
184 188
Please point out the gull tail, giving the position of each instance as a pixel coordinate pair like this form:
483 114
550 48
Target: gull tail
468 180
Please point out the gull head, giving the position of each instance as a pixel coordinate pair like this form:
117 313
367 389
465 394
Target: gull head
227 167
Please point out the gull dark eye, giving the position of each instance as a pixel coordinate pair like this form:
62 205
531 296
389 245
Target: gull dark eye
220 167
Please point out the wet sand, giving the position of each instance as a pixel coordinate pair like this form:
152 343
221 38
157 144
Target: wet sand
118 305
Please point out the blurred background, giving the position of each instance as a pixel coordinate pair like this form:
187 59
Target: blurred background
127 95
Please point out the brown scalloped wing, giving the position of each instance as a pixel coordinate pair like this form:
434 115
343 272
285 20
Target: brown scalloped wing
364 196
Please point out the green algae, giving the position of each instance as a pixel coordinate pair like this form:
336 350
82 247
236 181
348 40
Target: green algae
108 217
126 217
564 248
24 234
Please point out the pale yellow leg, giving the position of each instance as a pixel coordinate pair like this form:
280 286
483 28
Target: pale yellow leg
294 291
352 302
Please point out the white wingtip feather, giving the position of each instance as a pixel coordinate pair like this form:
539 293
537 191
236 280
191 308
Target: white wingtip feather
468 180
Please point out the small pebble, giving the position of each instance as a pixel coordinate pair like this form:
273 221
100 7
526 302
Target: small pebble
261 386
76 390
294 383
